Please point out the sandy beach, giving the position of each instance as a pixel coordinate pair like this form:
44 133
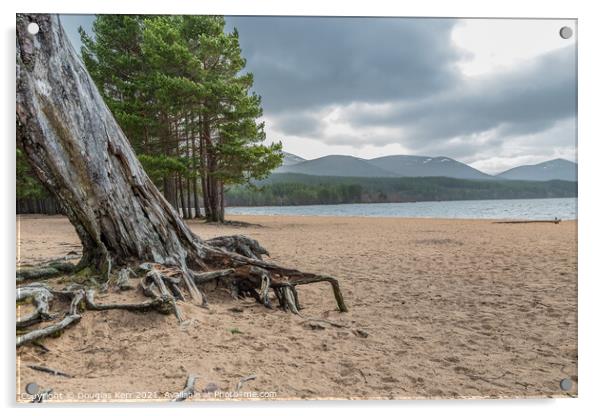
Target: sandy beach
438 308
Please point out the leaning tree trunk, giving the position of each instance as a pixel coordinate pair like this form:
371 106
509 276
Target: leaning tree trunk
82 157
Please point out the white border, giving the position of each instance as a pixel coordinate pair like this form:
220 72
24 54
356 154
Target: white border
590 154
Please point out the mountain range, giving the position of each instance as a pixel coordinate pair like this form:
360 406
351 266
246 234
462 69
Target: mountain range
421 166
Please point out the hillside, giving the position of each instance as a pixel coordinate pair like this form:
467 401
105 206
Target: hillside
405 166
291 159
336 165
560 169
424 166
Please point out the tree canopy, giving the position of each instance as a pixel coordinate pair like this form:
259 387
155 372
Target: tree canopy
177 87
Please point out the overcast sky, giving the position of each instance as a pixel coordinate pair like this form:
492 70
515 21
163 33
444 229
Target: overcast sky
492 93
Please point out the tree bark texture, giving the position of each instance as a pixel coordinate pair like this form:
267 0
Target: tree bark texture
83 158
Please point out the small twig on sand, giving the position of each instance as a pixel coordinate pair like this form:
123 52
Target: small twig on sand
49 370
244 380
188 389
554 221
325 321
41 346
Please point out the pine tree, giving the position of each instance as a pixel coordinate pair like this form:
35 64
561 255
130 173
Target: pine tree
177 87
231 150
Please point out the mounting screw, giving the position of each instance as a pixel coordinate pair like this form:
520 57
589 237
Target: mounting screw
32 388
33 28
566 384
566 32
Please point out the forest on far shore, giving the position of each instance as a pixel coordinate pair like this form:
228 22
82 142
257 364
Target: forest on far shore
298 189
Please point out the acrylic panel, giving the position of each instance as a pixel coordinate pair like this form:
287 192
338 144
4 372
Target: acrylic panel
288 207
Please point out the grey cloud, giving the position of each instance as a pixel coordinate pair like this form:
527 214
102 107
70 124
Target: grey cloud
308 62
302 65
526 100
299 123
407 67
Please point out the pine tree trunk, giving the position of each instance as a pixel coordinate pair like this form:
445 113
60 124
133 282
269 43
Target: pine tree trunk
197 207
195 185
205 180
81 155
188 169
180 196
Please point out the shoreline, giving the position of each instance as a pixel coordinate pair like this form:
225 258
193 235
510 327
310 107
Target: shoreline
404 202
351 217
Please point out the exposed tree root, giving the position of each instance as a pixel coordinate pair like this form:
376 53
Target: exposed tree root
123 279
240 244
156 304
44 271
47 331
41 298
240 269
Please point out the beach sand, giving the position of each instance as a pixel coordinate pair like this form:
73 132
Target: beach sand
451 308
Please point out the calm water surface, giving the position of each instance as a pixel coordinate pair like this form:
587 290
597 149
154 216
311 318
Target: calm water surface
517 209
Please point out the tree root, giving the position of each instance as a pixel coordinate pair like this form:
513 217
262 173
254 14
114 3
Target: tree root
240 244
157 304
47 331
123 279
240 269
41 297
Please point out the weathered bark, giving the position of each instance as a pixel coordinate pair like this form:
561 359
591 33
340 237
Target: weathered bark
81 155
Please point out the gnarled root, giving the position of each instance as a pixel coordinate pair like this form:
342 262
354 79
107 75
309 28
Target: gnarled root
240 269
240 244
47 331
41 298
70 318
43 271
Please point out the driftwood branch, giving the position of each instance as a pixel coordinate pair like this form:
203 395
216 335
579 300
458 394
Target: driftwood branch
49 371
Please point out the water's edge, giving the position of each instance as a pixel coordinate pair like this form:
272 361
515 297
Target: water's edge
514 209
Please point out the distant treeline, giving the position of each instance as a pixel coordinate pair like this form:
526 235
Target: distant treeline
298 189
